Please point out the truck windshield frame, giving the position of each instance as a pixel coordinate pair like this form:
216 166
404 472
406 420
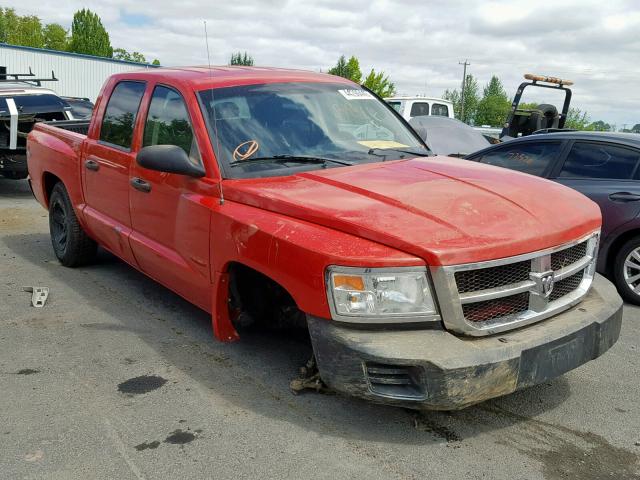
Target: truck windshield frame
302 119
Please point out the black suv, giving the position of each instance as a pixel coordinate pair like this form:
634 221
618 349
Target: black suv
603 166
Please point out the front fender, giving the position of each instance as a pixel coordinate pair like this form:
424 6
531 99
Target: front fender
291 252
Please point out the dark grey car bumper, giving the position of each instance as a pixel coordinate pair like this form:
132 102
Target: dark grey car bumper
433 369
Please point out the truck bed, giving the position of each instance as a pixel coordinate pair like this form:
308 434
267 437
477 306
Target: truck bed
77 126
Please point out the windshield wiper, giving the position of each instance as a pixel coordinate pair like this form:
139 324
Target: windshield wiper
372 151
291 158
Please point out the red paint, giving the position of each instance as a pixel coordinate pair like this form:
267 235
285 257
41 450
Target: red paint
436 211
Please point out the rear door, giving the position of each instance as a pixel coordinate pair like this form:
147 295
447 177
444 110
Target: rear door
169 213
533 157
608 174
105 169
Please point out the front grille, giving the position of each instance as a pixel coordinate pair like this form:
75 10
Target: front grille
498 308
570 255
497 295
566 286
474 280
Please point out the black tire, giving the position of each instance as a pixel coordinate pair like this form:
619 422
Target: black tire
624 274
70 243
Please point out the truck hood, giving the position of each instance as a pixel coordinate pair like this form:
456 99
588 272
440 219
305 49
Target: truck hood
443 210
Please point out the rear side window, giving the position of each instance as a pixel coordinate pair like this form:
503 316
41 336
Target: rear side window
439 110
532 158
168 122
419 108
592 160
120 114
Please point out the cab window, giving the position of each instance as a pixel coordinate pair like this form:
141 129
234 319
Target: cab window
440 110
168 123
120 115
419 108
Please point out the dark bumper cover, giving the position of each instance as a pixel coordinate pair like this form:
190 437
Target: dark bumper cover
434 369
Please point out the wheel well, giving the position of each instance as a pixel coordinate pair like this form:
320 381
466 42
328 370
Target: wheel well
256 299
49 181
614 248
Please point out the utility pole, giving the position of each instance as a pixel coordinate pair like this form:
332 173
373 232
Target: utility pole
465 64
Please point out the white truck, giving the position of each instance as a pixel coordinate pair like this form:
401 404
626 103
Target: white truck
417 106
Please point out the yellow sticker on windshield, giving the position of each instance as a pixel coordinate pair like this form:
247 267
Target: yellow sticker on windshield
382 144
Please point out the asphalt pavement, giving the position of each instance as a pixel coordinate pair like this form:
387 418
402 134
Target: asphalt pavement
118 378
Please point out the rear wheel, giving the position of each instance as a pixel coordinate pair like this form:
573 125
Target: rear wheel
627 271
70 243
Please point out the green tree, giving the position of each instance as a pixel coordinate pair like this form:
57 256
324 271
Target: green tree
527 106
26 31
577 119
8 23
155 62
122 54
471 100
600 126
353 70
347 69
241 59
494 106
379 84
340 68
88 35
55 37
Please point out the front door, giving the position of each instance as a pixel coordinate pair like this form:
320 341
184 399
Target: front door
170 238
105 171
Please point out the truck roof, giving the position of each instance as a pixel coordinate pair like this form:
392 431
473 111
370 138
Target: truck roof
202 77
417 97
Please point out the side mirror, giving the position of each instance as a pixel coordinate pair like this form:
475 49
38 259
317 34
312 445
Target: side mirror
168 158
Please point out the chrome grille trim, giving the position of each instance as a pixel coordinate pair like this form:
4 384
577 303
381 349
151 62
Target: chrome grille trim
582 253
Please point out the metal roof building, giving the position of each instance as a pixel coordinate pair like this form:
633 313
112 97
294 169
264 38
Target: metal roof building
78 75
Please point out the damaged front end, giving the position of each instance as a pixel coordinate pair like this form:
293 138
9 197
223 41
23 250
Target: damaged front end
431 368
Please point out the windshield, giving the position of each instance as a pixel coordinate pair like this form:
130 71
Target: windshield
33 104
251 124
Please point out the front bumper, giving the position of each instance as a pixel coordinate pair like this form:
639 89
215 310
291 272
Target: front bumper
434 369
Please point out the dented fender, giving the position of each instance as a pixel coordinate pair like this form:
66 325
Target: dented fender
291 252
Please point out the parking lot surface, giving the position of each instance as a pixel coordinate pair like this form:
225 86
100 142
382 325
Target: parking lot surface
117 377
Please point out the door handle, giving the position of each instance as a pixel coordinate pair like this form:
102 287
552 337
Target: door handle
140 184
92 165
624 197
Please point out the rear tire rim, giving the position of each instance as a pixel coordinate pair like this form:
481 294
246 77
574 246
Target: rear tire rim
59 226
631 271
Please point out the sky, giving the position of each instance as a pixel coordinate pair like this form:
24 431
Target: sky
419 44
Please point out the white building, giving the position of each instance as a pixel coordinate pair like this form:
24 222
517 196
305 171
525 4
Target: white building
78 75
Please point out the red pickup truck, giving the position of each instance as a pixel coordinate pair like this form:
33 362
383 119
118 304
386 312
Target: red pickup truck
270 194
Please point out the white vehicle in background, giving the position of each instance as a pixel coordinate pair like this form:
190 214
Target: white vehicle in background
418 106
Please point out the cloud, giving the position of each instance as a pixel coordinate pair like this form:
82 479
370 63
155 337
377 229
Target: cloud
418 43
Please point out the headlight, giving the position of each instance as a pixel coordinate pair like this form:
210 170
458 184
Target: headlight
380 295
